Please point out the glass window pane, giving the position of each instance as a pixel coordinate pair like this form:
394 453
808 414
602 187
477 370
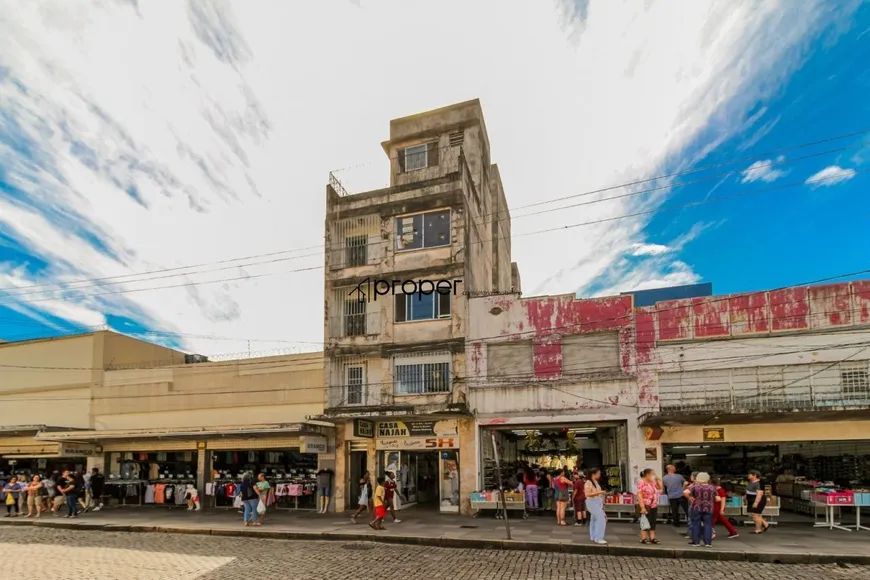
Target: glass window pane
420 306
436 229
409 232
416 157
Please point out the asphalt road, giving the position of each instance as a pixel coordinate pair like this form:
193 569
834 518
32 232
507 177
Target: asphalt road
39 553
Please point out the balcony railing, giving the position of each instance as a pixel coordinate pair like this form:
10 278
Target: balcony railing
790 388
362 323
356 242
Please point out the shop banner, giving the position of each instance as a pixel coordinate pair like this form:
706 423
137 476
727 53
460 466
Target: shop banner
77 450
363 428
402 429
312 444
418 443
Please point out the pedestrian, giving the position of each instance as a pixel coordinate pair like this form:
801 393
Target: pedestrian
719 515
71 491
34 497
579 498
649 487
531 482
84 494
704 502
264 491
59 495
595 505
380 507
756 500
545 490
365 494
675 485
561 487
11 494
250 499
98 486
391 490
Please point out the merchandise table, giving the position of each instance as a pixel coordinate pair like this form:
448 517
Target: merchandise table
831 521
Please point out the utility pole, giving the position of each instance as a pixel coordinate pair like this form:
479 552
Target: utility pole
507 524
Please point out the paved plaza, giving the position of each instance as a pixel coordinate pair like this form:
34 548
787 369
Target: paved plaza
31 553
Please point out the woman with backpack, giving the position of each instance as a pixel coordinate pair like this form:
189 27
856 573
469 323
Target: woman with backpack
250 499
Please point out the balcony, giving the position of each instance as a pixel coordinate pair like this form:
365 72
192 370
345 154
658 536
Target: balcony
792 392
356 243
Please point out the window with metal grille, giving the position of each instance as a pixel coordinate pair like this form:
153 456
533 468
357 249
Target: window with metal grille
422 378
425 230
354 385
356 251
855 379
354 317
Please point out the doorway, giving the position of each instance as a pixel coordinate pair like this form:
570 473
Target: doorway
426 478
358 466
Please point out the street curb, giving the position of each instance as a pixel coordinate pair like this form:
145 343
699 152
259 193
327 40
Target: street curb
471 543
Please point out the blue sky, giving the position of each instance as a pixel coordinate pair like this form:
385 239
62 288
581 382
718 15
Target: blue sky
169 138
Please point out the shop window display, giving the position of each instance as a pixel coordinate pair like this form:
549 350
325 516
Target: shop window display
291 474
144 478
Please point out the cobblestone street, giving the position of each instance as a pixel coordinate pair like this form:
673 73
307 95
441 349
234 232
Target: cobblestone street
34 553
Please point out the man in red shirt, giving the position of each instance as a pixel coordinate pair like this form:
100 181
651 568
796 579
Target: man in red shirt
391 490
579 498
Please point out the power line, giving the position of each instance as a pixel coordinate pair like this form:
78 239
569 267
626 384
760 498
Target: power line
548 230
586 193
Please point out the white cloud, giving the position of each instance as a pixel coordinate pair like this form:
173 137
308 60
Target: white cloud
649 249
764 170
831 175
177 136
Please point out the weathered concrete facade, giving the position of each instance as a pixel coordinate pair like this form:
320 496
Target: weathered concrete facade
392 353
560 360
784 365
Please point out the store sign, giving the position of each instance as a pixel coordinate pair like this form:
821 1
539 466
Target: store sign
313 444
418 443
363 428
400 429
77 450
714 434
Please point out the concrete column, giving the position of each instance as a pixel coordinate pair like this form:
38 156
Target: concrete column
468 470
203 472
339 482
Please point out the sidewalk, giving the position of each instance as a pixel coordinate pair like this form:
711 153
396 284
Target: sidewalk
787 543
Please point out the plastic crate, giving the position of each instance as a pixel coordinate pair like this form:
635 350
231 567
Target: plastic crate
835 498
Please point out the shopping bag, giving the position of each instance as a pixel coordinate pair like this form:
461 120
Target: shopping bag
644 523
237 502
261 508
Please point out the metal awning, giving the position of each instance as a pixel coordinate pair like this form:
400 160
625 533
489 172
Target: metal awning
712 417
34 456
306 427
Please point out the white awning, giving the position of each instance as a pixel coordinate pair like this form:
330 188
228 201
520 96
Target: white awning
194 433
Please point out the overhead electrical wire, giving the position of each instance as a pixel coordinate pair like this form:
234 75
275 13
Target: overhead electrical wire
9 289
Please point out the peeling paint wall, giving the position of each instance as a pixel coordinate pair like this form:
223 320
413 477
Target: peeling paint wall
799 308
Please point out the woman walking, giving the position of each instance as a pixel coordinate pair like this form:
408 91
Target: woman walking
719 515
250 499
34 497
649 488
11 493
365 496
756 500
70 490
531 483
561 485
704 499
264 492
595 506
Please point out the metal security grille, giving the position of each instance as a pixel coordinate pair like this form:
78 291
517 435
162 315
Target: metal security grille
354 317
422 378
855 380
355 382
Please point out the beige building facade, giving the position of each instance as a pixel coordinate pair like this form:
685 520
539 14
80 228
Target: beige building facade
149 415
400 265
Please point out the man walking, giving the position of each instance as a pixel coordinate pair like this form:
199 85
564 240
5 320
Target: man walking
98 485
674 485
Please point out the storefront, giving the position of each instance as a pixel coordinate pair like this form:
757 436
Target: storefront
23 456
160 468
424 456
794 459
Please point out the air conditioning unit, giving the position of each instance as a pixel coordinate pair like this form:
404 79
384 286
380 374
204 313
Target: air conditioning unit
192 359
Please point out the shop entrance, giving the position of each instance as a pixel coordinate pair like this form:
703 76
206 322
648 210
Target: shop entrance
358 466
425 478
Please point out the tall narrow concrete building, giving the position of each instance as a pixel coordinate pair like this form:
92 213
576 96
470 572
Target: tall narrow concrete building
400 264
